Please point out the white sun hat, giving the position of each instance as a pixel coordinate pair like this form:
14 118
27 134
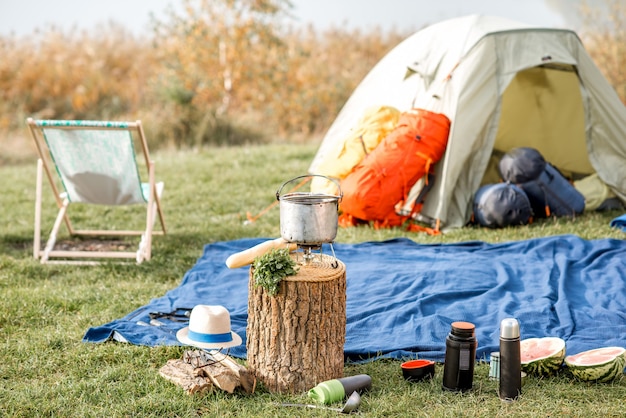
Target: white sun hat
209 327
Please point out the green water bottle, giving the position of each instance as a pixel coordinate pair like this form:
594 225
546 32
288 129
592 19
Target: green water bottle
336 390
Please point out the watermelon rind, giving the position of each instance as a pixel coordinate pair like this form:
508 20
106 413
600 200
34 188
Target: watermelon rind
542 356
604 371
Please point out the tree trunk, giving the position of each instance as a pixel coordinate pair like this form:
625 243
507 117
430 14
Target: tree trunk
295 339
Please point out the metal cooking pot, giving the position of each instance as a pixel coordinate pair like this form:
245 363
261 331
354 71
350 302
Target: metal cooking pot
308 218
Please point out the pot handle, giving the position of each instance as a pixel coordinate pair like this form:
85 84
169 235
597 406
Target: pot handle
246 257
280 189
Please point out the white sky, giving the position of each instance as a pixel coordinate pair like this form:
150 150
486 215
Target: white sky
21 17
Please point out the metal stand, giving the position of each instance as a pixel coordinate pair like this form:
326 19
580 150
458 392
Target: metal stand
308 256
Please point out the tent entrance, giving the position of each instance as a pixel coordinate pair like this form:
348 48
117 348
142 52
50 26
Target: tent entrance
542 108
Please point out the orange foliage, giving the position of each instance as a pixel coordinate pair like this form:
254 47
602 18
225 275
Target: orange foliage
221 71
605 36
73 75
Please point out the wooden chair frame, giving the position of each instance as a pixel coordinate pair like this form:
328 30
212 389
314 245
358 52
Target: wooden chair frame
46 165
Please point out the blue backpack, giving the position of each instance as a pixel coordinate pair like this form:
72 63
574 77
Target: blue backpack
548 191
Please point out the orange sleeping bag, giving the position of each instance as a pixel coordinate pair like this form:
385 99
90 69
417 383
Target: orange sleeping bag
385 176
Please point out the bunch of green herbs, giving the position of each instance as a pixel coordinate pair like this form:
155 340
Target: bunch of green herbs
271 268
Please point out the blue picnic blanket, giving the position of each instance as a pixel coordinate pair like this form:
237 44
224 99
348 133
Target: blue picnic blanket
402 296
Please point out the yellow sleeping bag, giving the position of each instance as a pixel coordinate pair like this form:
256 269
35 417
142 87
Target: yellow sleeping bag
595 191
371 129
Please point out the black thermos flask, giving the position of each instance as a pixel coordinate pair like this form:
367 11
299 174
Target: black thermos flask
510 360
458 366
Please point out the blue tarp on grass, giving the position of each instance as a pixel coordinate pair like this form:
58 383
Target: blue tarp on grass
403 296
619 222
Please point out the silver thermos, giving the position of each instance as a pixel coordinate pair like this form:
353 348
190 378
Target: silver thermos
510 360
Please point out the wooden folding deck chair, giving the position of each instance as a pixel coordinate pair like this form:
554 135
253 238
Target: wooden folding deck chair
95 163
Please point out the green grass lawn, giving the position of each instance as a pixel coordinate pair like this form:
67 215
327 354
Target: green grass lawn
47 371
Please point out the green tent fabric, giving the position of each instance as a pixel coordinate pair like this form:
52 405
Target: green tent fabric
503 84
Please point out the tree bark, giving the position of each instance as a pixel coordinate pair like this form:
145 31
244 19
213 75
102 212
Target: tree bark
295 339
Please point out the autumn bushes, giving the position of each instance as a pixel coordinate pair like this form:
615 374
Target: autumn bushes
605 40
208 74
78 75
212 72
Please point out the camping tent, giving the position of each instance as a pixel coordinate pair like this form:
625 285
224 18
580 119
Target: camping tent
503 84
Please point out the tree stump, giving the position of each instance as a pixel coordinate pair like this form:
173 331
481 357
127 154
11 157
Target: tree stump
295 339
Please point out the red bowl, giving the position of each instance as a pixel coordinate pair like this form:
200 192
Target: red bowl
418 370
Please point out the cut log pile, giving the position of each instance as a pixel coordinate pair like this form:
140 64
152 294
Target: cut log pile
200 371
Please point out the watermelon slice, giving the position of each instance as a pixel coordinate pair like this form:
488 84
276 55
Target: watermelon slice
542 356
600 365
